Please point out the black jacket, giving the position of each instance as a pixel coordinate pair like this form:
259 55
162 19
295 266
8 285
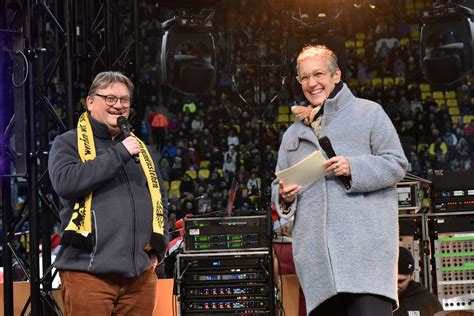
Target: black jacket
121 203
416 297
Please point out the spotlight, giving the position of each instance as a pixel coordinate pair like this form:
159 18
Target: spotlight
188 57
188 60
447 43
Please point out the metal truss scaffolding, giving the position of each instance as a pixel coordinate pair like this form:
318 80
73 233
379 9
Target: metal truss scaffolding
52 49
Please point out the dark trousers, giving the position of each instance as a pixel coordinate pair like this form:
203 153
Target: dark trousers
348 304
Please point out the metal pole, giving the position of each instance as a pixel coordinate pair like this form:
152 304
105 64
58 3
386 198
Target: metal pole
69 26
7 212
425 248
5 183
109 42
139 104
32 172
43 218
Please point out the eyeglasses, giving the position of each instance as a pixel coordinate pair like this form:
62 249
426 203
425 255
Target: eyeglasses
317 74
111 100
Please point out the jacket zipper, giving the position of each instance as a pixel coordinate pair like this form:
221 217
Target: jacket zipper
95 239
132 205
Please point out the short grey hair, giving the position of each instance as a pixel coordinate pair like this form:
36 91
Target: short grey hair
104 79
319 51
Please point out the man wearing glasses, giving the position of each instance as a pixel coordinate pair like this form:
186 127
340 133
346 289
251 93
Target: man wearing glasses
345 234
114 214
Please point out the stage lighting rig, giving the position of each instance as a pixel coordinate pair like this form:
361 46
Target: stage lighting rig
189 3
188 58
447 48
312 23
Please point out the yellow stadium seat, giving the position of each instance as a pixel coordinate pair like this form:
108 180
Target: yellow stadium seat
453 110
192 174
450 94
203 173
410 11
283 109
425 94
440 102
352 82
204 164
415 33
166 185
236 128
175 184
404 41
422 147
174 193
283 118
360 36
360 51
425 87
220 172
419 4
466 119
452 102
292 117
360 43
399 80
376 81
455 119
438 95
387 81
350 44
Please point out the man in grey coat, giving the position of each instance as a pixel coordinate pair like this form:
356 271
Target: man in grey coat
345 236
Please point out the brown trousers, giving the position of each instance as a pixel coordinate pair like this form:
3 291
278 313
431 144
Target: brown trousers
104 295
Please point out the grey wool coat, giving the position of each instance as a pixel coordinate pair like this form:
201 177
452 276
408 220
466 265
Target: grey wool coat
346 240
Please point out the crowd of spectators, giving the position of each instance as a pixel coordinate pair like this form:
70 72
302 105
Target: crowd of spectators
203 142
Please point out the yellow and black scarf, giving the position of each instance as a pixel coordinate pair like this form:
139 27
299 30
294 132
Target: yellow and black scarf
78 233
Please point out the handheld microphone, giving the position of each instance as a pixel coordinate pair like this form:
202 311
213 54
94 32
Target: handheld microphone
125 128
325 144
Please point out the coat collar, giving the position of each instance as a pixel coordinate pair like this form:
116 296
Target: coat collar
332 106
340 101
100 130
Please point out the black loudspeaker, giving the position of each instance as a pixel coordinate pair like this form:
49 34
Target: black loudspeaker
188 60
447 44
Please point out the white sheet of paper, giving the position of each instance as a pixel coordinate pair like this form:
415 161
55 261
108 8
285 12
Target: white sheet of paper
305 171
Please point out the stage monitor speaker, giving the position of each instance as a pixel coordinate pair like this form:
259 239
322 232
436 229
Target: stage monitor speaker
188 59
